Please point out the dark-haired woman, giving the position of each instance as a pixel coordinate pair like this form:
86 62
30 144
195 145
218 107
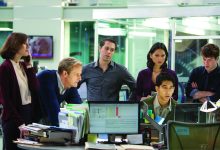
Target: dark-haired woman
19 88
156 63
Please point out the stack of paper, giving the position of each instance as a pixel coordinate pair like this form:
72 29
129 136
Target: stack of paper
75 116
44 134
136 147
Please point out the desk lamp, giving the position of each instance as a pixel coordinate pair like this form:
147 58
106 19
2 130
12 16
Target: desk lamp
208 106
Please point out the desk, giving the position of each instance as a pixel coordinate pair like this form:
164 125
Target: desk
45 147
32 147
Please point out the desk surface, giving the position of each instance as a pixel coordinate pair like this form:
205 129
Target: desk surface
34 147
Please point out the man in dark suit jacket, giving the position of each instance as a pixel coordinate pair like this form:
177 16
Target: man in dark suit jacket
59 86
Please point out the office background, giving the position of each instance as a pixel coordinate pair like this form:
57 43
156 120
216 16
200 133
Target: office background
77 26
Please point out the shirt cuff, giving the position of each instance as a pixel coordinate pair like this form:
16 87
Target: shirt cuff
193 92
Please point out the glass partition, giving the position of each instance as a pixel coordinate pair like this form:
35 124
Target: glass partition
5 30
81 40
183 37
134 38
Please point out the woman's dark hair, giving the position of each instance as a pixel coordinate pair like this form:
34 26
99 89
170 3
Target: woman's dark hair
158 45
12 45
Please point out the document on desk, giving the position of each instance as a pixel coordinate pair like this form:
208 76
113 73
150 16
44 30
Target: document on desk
28 142
136 147
75 116
98 146
135 139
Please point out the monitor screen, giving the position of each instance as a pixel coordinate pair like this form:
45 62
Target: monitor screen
41 46
189 112
120 117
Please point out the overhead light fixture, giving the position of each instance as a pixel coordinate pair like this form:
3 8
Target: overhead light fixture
160 23
194 31
112 31
103 25
210 41
5 29
197 22
142 34
178 41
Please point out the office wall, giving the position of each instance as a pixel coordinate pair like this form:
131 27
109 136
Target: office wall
42 17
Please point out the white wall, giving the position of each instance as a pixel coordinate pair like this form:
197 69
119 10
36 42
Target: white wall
42 17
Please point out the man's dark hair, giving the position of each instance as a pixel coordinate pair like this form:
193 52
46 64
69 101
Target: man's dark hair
102 43
158 45
164 76
210 50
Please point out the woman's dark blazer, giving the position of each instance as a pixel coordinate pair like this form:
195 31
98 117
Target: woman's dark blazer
10 94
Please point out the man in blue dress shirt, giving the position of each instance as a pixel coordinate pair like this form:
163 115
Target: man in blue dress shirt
59 86
104 78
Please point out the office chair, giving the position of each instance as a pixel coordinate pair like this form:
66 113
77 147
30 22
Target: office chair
193 136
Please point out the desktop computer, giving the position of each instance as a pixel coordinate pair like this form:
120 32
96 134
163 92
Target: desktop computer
114 118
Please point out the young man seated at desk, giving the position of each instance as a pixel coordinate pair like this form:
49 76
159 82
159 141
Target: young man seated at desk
162 104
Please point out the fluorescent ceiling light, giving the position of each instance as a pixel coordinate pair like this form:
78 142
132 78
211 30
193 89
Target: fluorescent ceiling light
178 41
194 31
112 31
5 29
142 34
136 28
198 22
160 23
103 25
218 20
210 41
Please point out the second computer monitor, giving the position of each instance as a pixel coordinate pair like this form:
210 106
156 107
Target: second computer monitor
189 112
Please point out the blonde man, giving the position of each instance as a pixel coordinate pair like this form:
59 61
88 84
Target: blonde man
57 86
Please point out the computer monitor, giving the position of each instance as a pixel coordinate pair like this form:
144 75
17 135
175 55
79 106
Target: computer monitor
189 112
41 46
108 117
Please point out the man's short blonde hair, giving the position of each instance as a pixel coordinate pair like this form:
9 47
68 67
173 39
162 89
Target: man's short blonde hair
67 64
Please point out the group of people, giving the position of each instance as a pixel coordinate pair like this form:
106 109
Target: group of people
27 97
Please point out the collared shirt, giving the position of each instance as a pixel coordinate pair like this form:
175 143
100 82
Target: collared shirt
22 83
105 86
159 111
60 84
205 82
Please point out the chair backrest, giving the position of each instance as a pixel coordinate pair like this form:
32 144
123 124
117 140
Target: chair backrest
193 136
